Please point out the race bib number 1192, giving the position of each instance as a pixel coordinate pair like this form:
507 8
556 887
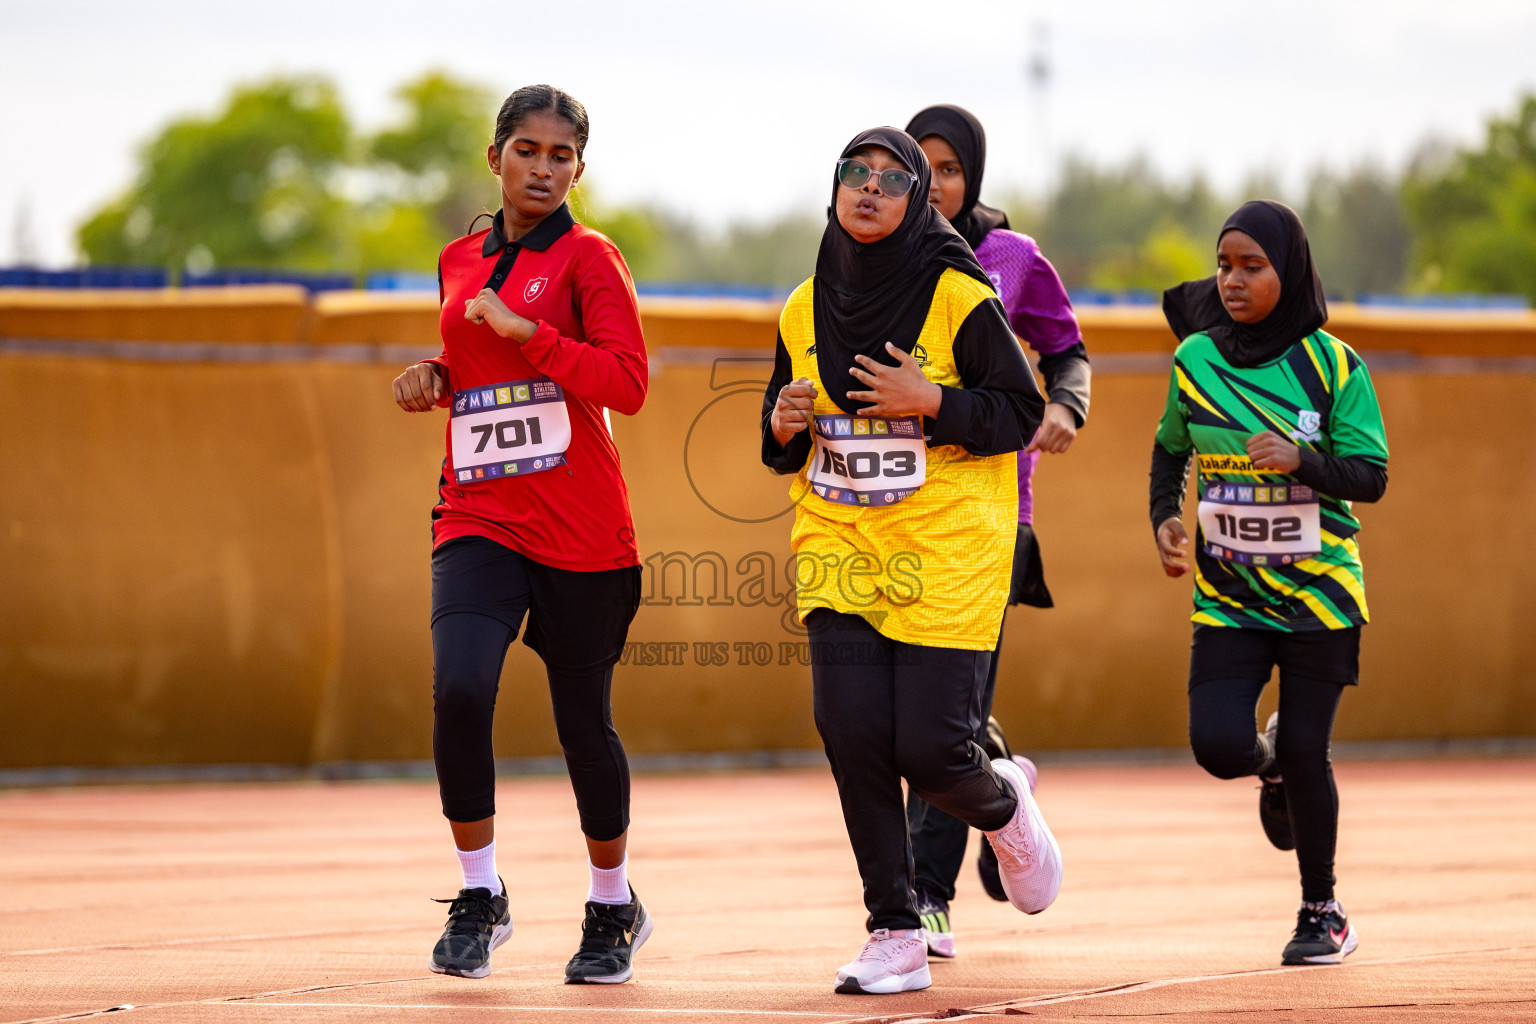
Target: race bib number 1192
1260 525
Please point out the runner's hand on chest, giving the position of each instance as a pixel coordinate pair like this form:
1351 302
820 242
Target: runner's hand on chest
894 391
488 308
1268 450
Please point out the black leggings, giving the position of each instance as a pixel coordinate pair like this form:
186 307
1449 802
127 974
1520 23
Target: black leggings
1223 733
938 839
887 710
481 592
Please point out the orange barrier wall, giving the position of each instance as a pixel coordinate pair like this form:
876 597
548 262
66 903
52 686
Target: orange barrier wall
228 561
280 314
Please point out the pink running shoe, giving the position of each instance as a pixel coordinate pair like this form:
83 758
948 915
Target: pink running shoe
1028 859
986 860
1030 771
891 961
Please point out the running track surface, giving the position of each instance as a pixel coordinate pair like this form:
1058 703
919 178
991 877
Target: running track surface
256 904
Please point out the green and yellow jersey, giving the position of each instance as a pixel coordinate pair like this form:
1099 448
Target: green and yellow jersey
1271 552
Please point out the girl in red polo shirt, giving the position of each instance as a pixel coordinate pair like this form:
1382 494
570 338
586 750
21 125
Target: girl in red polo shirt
541 335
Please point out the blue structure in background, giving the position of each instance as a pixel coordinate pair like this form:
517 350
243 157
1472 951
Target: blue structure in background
708 290
1468 302
85 277
314 282
402 281
416 281
1117 297
405 281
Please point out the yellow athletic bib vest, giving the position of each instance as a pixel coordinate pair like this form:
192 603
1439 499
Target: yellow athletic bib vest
932 568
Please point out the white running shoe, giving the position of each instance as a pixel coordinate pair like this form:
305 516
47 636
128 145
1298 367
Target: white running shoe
1028 859
891 961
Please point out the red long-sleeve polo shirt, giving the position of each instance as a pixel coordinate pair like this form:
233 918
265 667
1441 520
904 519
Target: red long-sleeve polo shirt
572 282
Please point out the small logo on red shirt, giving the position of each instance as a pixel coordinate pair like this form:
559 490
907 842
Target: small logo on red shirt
534 288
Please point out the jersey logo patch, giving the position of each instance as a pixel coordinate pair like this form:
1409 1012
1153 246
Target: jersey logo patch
534 288
920 354
1309 426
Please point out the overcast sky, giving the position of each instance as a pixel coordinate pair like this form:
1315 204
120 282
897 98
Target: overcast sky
735 111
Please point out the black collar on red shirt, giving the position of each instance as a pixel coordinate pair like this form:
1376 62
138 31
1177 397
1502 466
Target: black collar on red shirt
544 234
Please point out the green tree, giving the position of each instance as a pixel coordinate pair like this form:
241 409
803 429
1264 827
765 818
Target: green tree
639 233
251 186
1358 230
437 151
1474 214
661 246
1168 255
1123 224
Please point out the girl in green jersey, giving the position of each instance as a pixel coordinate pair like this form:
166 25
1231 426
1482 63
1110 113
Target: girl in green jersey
1284 423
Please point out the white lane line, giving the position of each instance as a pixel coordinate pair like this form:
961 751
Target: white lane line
379 929
1079 995
266 998
257 998
718 1012
478 1007
208 939
1145 986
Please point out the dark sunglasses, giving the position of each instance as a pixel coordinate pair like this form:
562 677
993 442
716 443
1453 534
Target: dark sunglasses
893 181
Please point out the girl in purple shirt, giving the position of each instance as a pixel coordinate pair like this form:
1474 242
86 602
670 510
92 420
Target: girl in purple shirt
1041 314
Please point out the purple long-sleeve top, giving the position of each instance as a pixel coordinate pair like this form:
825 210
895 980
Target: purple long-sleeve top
1041 314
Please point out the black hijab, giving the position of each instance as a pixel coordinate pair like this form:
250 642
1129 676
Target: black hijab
1196 305
868 294
959 127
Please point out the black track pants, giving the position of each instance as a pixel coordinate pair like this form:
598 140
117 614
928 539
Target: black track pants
481 592
887 710
938 839
1223 730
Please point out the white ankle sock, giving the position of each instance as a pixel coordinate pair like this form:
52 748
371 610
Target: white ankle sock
609 885
480 868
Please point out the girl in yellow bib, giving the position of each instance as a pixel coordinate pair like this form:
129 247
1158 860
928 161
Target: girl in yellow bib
898 399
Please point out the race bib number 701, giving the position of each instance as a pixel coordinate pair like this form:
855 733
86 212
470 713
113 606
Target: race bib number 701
510 429
863 460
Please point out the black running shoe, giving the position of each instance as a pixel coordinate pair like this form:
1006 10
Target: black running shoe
994 742
1274 815
986 867
610 937
934 913
477 923
1323 935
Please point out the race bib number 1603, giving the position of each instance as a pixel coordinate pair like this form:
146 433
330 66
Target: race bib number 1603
510 429
862 460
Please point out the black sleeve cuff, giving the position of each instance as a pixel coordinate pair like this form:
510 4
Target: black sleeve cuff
1312 470
955 411
788 458
1169 475
1067 376
1348 477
